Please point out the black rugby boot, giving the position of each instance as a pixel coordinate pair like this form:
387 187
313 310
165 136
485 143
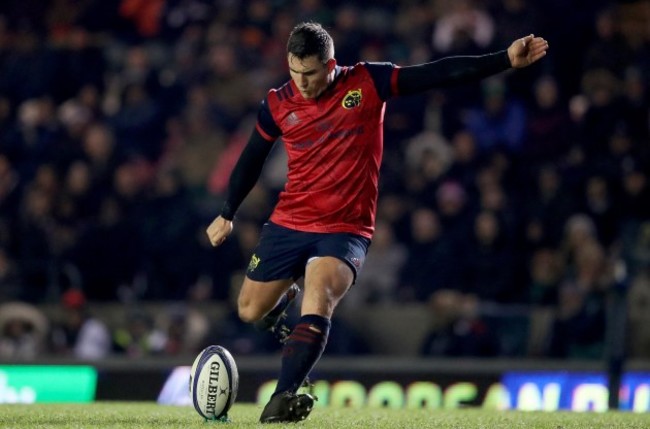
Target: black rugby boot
287 407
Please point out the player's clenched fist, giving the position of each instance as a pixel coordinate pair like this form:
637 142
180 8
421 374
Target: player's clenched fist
218 230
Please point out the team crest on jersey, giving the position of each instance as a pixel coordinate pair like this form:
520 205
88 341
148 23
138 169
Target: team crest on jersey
352 99
255 261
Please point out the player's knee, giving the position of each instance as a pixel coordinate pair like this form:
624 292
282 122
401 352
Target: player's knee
248 316
247 312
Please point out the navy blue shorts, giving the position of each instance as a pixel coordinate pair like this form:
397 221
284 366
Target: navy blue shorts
283 253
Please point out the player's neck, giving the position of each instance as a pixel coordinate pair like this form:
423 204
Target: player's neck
331 78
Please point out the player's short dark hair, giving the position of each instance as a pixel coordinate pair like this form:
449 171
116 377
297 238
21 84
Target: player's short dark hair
310 38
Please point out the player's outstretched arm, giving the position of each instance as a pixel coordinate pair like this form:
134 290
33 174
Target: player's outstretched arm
527 50
458 70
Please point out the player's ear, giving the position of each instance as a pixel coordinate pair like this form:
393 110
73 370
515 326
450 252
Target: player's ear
331 63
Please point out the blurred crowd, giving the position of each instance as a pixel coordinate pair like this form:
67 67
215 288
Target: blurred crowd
121 120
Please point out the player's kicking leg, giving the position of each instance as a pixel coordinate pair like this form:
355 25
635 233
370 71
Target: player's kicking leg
327 279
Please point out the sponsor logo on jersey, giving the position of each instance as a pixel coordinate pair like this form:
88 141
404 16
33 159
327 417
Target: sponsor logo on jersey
352 99
255 261
329 135
356 262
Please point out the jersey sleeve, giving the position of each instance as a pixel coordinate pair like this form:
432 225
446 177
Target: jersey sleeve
449 71
246 173
266 125
384 75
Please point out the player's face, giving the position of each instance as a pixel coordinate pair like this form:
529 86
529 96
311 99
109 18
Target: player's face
310 75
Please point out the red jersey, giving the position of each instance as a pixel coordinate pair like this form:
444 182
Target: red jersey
334 144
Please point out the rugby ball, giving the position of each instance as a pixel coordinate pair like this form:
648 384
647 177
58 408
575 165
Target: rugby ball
214 381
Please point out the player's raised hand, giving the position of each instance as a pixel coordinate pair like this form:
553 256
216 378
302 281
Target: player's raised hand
219 230
525 51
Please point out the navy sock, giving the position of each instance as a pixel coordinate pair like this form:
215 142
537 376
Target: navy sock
301 351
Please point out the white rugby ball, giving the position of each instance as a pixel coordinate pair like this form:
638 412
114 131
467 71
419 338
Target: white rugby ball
214 381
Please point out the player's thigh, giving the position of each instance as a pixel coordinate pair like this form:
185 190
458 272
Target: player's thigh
327 279
332 270
256 298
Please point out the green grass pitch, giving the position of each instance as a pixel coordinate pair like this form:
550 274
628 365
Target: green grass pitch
127 415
